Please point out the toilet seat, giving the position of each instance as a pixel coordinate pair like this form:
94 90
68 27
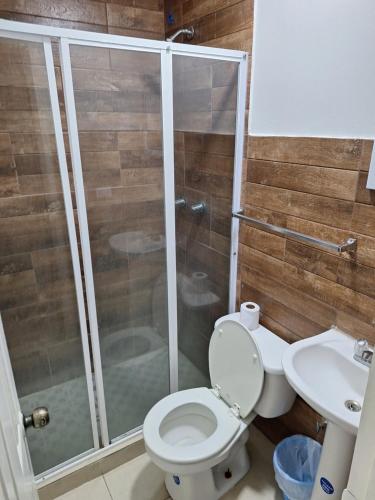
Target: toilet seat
192 427
224 426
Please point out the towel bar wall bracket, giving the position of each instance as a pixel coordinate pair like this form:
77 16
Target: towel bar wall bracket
349 246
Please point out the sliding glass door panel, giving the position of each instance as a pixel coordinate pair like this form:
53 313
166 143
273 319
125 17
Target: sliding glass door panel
204 106
38 299
118 106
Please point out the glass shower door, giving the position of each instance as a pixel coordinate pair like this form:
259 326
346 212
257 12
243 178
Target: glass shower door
117 95
149 320
38 258
204 105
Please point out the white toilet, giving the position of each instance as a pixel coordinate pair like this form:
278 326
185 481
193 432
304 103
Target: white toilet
198 436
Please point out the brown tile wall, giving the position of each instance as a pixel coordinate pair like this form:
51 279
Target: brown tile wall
316 186
218 23
203 166
204 116
117 97
118 106
118 110
139 18
37 291
122 170
311 185
205 94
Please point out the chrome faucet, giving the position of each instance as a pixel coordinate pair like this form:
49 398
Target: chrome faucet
363 353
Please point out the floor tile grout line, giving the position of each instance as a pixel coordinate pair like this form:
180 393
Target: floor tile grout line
106 485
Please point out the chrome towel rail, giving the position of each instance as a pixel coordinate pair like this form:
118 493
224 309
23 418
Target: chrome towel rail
350 244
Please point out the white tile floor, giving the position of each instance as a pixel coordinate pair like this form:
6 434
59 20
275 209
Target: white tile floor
139 479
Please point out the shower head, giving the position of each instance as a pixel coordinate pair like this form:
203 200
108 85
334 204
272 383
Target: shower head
189 32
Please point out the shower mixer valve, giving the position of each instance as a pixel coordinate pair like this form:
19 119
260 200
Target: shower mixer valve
198 208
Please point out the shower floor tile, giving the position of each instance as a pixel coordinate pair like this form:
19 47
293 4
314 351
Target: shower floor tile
132 387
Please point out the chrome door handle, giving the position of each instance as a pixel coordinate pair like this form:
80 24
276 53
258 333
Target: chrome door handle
38 419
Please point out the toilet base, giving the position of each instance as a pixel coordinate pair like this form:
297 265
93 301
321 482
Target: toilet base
210 484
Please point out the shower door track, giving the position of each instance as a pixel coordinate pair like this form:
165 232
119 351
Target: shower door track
166 50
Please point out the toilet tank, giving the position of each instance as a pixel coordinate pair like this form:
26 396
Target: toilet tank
277 395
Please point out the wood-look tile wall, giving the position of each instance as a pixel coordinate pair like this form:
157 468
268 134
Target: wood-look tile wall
118 107
204 95
204 173
37 299
218 23
316 186
139 18
118 102
117 97
204 120
36 281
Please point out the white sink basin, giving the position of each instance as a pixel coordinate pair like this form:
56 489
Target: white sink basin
322 371
136 242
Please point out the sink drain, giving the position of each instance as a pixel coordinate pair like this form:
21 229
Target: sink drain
352 405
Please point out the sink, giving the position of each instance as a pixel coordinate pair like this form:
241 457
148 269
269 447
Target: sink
323 372
137 242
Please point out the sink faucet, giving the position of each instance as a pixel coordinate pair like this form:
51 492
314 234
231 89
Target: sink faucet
363 353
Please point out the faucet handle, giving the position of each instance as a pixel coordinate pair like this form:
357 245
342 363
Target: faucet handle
198 208
180 202
360 346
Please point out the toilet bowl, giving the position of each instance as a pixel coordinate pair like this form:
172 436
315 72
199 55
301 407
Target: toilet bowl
198 436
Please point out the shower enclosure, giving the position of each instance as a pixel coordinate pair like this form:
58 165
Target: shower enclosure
120 167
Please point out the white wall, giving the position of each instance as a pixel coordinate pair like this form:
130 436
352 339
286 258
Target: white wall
313 70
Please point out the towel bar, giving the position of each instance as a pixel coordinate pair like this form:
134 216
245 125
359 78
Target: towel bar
350 245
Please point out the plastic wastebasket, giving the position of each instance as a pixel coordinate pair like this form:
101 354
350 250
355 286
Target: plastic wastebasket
296 461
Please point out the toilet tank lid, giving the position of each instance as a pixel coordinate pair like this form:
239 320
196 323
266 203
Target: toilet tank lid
270 345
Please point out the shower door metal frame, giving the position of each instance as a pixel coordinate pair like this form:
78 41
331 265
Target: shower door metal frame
169 217
67 37
237 178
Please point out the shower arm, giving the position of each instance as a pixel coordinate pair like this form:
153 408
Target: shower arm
183 31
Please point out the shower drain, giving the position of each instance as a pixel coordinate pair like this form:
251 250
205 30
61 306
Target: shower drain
353 405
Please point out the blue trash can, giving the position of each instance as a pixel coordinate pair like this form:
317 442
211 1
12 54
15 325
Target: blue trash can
296 461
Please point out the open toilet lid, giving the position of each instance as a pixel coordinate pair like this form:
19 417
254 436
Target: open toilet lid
236 366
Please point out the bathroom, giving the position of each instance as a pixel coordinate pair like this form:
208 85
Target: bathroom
119 248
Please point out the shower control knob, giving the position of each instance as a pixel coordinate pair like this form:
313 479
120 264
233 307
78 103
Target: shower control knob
39 418
199 208
180 203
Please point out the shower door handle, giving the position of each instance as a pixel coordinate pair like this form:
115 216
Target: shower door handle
38 419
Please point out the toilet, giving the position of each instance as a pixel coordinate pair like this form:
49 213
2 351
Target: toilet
198 436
